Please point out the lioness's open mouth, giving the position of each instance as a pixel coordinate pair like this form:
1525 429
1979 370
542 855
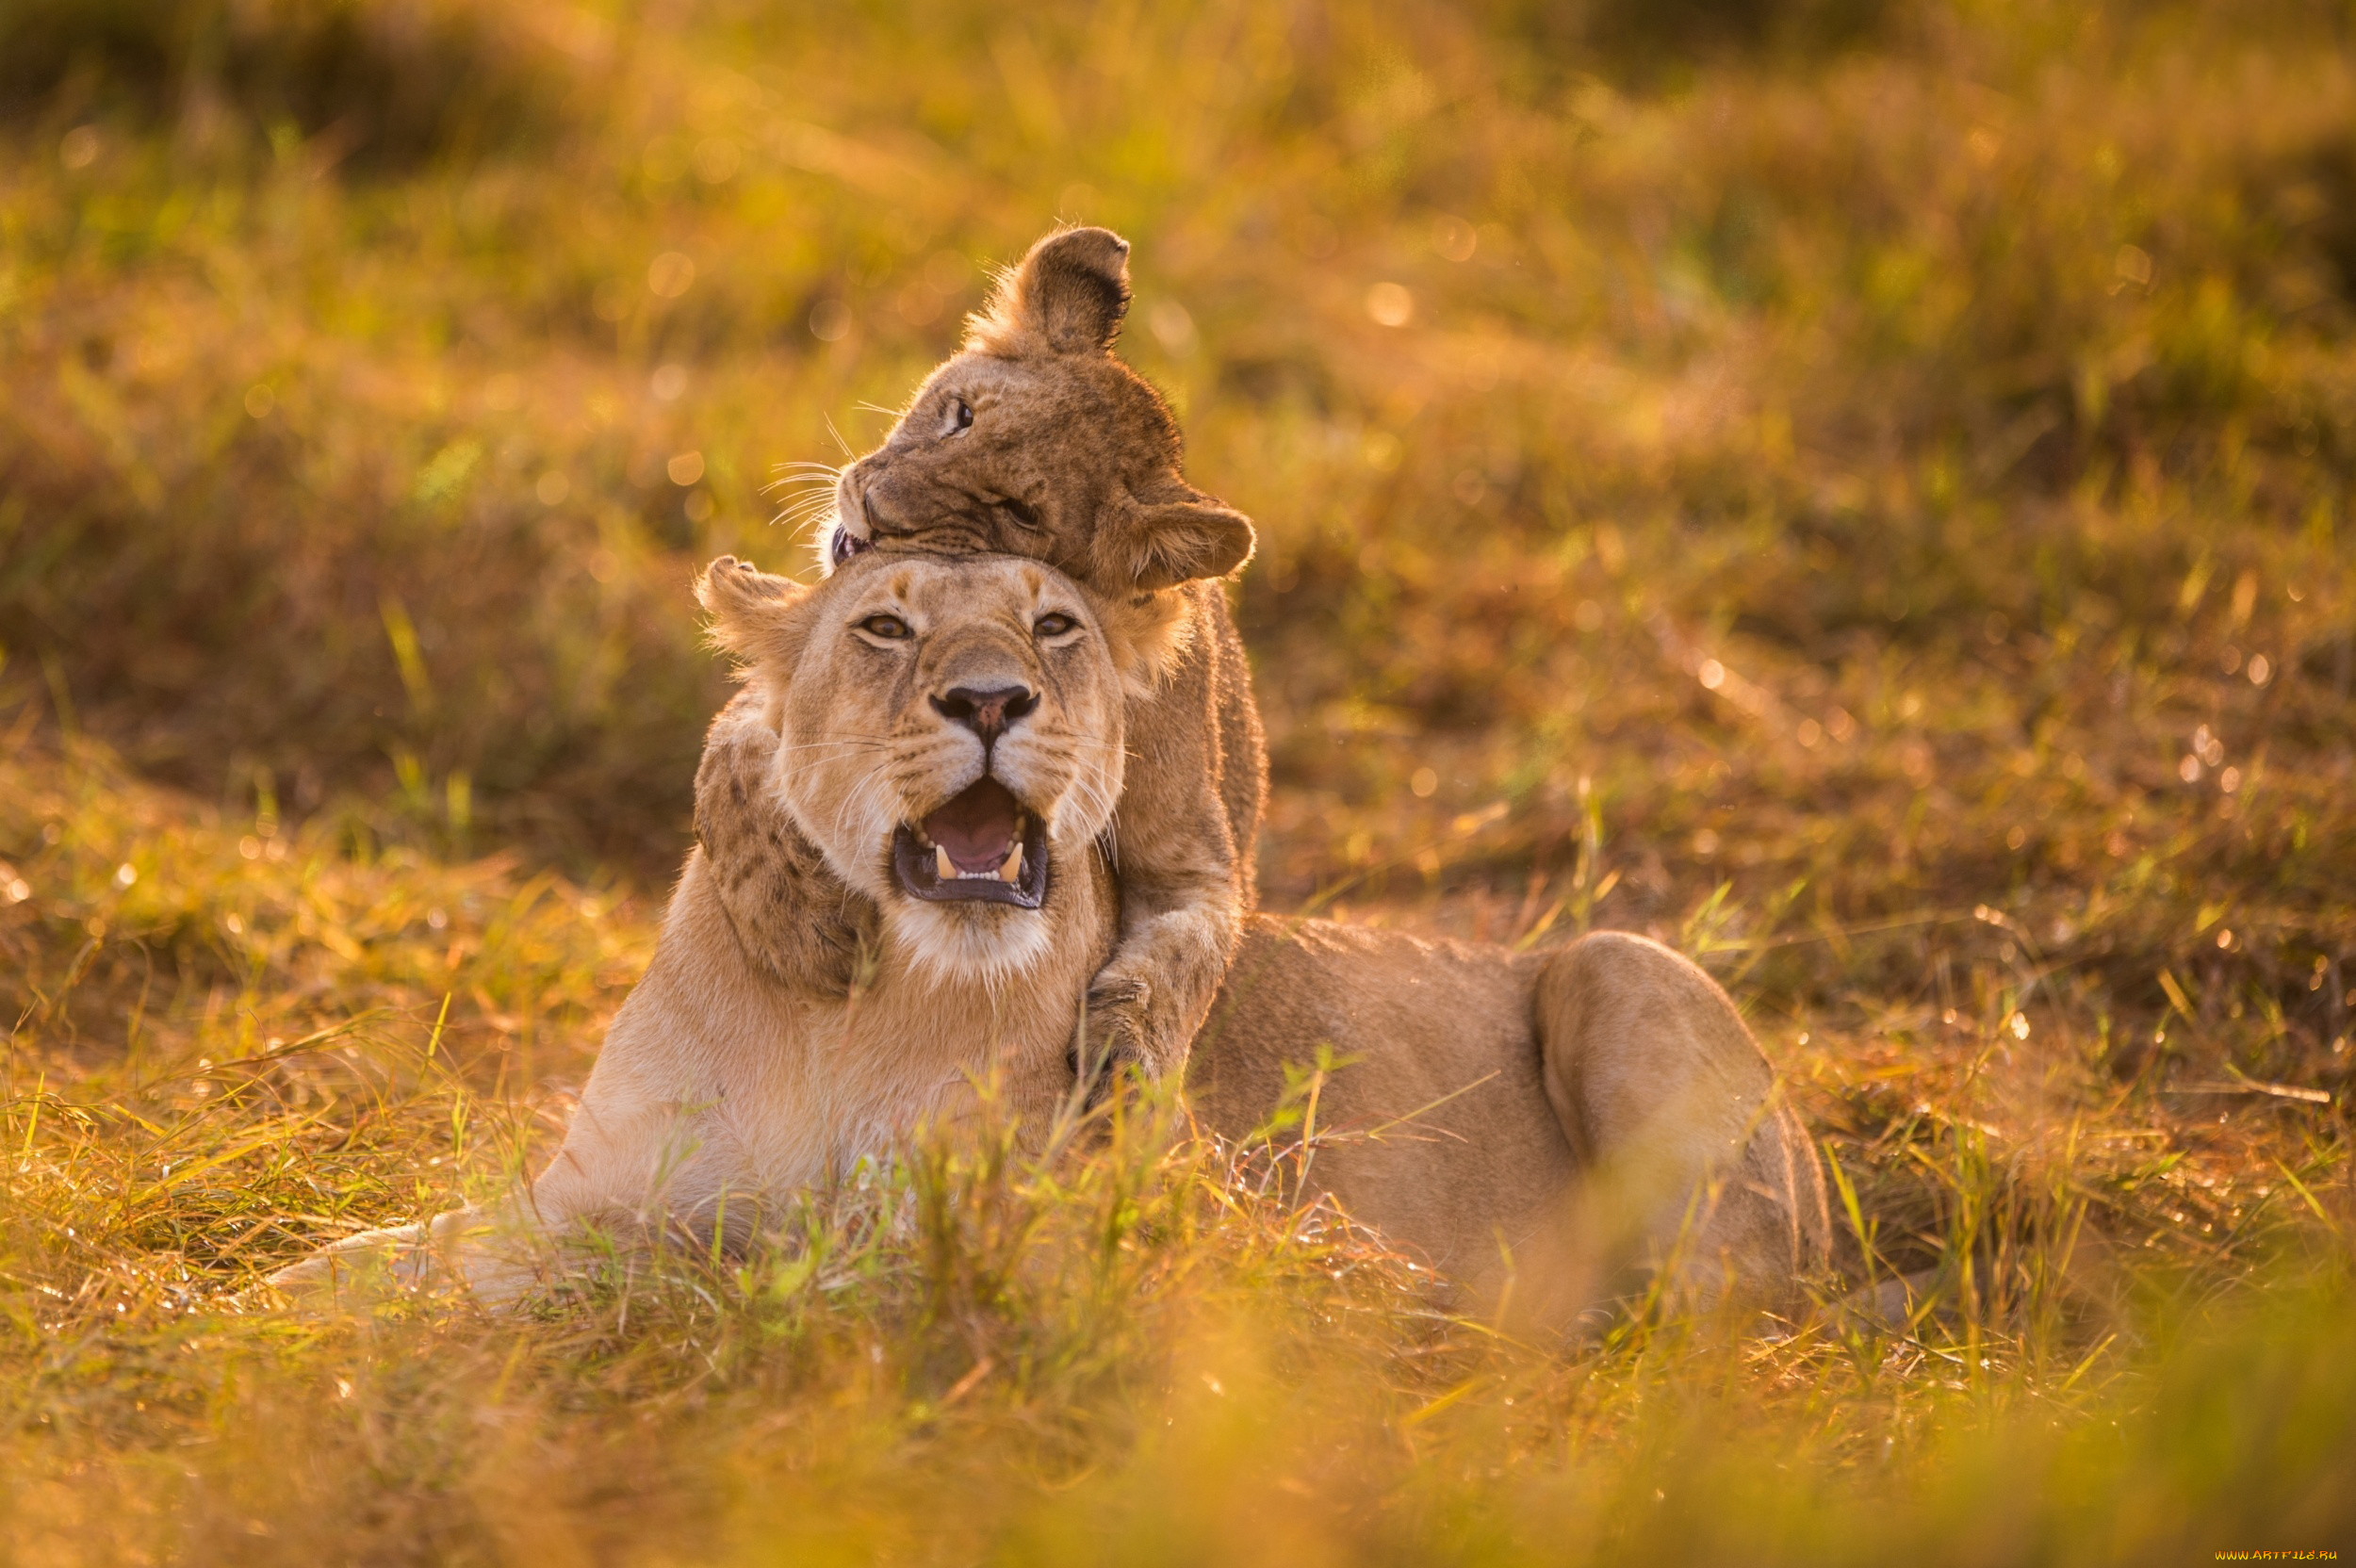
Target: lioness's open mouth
981 846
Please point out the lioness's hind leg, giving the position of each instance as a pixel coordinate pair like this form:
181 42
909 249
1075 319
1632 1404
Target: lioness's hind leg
1670 1108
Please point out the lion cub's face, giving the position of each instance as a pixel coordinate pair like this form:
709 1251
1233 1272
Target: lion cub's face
950 736
1034 440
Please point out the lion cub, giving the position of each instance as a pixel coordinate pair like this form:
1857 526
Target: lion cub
1034 440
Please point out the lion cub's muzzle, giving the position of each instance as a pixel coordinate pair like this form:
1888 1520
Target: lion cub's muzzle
982 845
876 504
853 534
843 544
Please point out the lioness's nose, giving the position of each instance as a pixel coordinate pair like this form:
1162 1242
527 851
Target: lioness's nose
989 715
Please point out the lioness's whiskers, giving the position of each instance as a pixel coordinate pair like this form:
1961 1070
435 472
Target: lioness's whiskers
872 782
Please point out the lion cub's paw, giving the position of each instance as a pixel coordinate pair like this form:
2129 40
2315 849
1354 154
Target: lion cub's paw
1122 1035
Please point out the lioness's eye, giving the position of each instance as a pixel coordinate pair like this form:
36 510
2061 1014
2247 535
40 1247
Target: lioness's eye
1054 625
889 628
961 414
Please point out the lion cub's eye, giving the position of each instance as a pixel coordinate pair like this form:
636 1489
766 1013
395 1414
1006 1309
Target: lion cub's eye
889 628
961 416
1054 625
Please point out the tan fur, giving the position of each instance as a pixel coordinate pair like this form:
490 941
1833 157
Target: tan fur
1534 1126
1529 1124
742 1069
1071 458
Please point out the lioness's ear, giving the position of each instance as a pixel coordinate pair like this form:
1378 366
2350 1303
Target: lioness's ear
1070 293
752 611
1160 545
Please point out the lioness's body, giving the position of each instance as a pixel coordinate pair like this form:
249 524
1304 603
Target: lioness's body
720 1089
719 1086
1558 1111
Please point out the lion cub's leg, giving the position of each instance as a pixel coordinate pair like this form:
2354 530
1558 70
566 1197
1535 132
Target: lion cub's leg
1670 1108
1147 1004
1188 822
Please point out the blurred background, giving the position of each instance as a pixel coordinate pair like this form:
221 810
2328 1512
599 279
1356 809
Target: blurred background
1858 457
1859 489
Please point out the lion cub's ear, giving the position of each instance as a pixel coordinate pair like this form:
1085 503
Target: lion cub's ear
1157 545
752 613
1069 293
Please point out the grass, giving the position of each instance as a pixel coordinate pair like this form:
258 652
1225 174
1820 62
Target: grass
1858 492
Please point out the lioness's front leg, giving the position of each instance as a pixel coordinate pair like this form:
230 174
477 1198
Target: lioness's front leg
638 1152
617 1163
489 1252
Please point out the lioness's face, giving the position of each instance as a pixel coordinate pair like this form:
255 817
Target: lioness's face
951 736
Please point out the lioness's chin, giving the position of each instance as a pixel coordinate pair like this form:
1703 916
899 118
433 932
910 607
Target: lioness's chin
991 942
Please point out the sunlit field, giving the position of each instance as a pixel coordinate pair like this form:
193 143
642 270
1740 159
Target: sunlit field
1864 492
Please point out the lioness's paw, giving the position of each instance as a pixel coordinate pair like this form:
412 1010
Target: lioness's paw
458 1250
372 1262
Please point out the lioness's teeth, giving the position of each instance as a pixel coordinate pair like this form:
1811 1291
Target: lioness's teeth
1012 869
946 871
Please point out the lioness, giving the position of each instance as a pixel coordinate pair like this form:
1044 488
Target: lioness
948 741
1035 440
